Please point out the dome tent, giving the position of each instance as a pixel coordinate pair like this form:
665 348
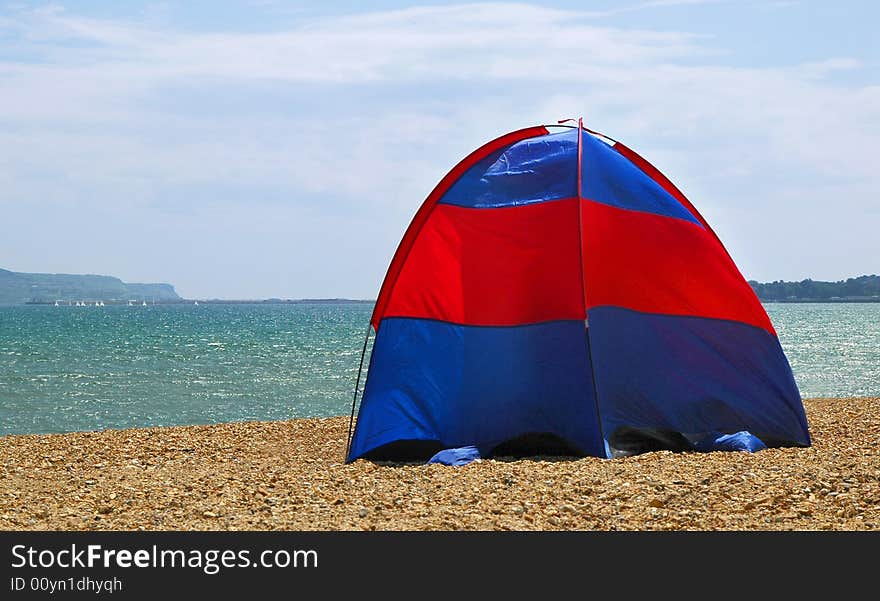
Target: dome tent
556 293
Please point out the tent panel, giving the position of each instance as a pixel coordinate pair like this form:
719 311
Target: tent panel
693 376
480 386
655 264
530 171
508 266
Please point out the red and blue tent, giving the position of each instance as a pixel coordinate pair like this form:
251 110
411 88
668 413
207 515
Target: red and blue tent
556 290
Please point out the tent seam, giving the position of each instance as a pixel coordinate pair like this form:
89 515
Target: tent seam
581 201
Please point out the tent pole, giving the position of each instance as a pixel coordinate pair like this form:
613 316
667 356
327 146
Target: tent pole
580 150
356 387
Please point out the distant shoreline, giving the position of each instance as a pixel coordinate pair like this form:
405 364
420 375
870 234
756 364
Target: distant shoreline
192 301
830 301
352 301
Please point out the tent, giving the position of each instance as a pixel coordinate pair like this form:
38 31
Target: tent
555 293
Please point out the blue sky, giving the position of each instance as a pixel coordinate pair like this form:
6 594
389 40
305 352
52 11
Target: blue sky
257 149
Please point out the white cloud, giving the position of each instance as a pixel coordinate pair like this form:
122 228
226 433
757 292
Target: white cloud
460 42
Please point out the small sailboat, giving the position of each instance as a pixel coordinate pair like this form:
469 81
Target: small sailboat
56 303
196 303
144 304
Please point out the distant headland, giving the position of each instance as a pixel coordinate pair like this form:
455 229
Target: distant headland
17 288
58 288
47 288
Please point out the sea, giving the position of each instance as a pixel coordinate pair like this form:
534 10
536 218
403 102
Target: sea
91 368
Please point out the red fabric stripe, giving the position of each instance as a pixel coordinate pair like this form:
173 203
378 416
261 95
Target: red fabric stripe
421 216
506 266
657 264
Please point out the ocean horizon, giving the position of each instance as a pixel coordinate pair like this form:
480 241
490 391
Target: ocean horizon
68 369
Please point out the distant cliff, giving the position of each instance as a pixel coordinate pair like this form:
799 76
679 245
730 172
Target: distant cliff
18 288
862 288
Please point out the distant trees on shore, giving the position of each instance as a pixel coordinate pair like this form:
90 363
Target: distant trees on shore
864 287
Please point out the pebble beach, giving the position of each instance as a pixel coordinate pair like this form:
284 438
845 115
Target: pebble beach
289 475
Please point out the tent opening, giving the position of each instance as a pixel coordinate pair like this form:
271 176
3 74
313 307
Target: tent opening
536 443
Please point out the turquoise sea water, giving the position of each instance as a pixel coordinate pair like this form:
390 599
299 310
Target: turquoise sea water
89 368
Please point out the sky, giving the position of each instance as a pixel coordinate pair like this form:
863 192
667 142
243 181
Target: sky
279 149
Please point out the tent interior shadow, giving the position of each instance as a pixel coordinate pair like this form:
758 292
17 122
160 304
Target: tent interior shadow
534 446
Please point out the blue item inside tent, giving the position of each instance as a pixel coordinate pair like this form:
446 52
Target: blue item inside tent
456 456
739 441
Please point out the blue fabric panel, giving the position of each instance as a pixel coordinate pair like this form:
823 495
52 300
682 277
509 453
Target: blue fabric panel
694 376
477 386
529 171
459 456
738 441
610 178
